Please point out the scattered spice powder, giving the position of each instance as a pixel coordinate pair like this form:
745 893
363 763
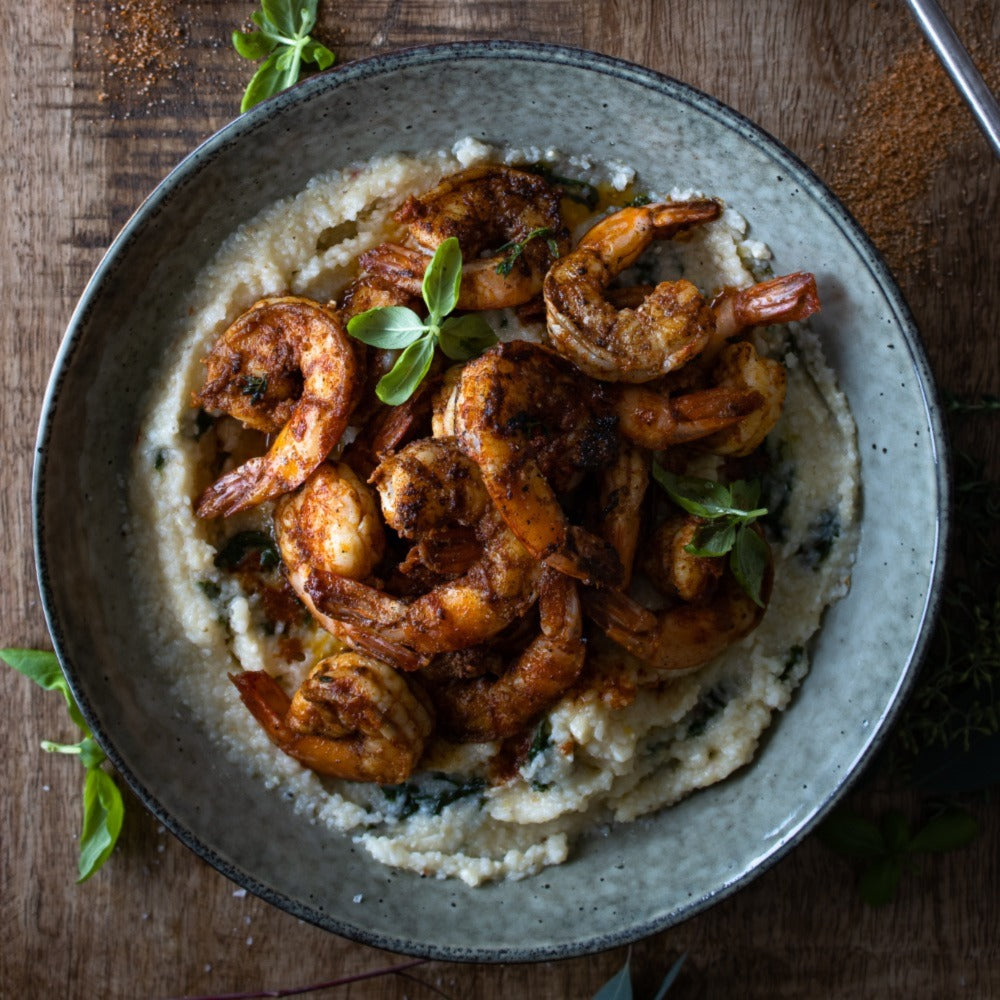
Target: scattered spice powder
904 127
141 44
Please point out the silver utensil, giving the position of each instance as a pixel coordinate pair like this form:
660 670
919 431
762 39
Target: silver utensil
957 61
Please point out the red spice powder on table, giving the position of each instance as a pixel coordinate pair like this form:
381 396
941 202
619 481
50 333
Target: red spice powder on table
904 127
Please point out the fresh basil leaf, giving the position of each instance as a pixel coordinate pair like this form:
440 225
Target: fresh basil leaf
947 832
618 987
103 812
266 82
88 750
442 279
672 974
847 833
895 831
713 540
43 668
410 369
283 16
387 327
880 880
745 494
254 44
465 337
316 52
307 15
701 497
748 560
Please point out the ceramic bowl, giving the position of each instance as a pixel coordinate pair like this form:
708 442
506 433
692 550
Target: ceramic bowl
641 877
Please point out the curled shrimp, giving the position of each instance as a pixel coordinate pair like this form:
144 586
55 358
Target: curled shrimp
713 611
487 208
672 324
533 425
286 365
353 717
496 707
623 488
469 609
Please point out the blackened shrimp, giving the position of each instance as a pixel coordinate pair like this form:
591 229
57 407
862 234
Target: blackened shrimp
534 425
710 611
490 209
353 717
495 707
285 366
670 326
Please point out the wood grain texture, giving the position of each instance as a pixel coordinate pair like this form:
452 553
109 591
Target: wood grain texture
84 144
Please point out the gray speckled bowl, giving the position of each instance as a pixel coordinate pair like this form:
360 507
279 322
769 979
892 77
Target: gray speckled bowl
641 877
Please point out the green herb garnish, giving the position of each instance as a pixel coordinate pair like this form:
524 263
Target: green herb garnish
395 327
284 43
237 547
619 986
254 386
729 511
515 248
430 795
580 191
887 848
103 808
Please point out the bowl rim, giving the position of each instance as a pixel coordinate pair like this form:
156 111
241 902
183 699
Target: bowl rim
520 51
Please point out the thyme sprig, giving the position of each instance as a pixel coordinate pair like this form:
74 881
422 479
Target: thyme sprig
515 248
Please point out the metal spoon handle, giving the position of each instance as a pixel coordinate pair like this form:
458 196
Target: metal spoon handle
936 26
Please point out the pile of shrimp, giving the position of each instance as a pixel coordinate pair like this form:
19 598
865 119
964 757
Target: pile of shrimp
466 547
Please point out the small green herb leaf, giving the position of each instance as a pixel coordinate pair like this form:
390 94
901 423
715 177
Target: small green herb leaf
103 809
465 337
237 547
394 327
43 668
850 834
387 327
880 880
442 279
947 832
748 561
515 248
895 832
618 987
103 812
729 511
284 40
671 975
397 385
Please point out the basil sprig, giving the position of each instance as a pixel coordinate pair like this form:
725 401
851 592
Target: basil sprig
397 327
284 43
729 511
103 808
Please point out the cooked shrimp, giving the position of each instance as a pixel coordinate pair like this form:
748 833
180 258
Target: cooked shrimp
740 368
780 300
353 717
690 633
533 425
285 365
655 420
487 208
428 486
332 523
623 488
496 707
499 587
672 324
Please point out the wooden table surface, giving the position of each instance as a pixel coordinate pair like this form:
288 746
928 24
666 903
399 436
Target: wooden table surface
100 98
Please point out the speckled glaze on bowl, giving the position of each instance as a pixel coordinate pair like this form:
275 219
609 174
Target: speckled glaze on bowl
638 878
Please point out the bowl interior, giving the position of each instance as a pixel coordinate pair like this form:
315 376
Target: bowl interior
643 876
